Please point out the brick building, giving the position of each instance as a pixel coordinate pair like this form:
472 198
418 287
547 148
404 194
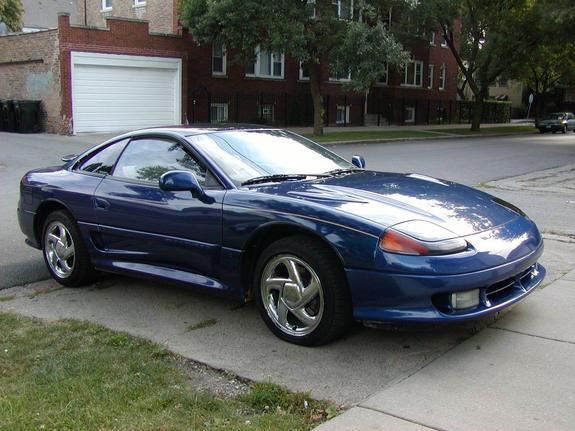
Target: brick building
126 65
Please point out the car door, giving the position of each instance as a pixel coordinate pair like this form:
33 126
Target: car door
571 121
140 223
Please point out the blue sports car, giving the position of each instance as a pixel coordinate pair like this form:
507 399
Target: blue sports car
268 215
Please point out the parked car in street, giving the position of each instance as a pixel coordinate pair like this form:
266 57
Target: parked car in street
265 214
557 122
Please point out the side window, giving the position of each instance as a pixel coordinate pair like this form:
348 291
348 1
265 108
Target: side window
103 161
148 159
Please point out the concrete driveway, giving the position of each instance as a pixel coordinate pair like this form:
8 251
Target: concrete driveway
347 371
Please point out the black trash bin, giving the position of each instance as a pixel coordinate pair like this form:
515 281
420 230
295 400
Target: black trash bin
7 114
27 114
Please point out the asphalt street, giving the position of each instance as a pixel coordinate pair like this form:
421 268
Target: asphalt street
350 370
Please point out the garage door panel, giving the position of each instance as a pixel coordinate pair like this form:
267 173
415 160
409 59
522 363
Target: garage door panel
121 94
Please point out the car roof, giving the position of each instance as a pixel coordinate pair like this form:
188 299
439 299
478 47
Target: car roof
198 129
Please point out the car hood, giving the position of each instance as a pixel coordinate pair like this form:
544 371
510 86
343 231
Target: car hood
391 198
550 122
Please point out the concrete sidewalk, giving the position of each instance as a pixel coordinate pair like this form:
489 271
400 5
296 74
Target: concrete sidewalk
518 374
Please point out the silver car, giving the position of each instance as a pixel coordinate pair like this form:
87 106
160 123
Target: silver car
557 122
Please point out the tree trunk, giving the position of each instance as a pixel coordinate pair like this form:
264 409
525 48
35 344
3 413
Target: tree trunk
315 88
478 107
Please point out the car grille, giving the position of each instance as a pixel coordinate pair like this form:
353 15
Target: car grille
499 291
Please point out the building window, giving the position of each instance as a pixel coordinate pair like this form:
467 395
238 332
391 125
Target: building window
219 112
139 3
218 59
409 114
432 40
430 76
442 77
311 7
267 65
342 114
383 78
303 72
266 112
343 9
443 41
106 4
413 74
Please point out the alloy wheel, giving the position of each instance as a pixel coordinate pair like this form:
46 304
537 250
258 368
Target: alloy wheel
59 249
292 295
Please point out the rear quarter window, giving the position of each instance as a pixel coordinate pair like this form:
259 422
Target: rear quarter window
103 161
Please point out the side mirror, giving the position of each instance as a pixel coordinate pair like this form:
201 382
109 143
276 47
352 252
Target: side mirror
69 157
358 161
181 181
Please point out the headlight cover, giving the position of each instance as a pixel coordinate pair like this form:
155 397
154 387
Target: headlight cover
420 238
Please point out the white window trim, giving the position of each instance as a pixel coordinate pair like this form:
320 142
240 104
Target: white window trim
347 110
443 41
221 105
257 73
442 77
386 82
105 7
411 111
339 6
432 41
430 73
224 62
139 3
415 84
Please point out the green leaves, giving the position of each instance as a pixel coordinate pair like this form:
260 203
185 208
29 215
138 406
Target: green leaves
11 14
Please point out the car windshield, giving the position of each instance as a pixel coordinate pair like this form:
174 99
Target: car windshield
556 116
248 154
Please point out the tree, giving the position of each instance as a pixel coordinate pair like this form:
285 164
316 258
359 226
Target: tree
547 50
310 32
482 36
11 14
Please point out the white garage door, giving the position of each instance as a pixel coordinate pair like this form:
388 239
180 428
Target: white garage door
124 92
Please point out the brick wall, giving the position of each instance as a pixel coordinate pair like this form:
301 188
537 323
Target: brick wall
159 13
29 69
122 36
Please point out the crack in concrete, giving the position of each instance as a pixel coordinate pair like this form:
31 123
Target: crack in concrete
532 335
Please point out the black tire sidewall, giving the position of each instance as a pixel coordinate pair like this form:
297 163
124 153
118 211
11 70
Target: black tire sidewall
334 287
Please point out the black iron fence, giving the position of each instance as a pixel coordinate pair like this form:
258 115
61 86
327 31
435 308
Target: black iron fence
297 110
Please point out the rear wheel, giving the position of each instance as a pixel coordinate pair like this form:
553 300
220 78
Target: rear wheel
302 294
64 252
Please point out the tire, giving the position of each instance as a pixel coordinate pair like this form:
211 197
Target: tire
64 251
330 307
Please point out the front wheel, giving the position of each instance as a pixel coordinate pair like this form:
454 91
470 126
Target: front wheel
302 294
64 252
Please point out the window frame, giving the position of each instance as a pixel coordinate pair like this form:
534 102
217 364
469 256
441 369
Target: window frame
442 76
301 76
430 75
218 105
347 111
257 65
104 5
224 61
405 73
138 3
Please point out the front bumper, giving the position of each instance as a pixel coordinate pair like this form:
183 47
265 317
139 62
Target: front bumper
387 297
551 127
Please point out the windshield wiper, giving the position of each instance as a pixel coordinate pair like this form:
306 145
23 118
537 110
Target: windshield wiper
342 171
279 177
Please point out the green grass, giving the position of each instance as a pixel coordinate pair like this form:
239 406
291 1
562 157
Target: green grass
72 375
372 134
491 130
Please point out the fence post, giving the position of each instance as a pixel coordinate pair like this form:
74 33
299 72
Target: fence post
285 109
192 102
362 110
415 113
344 111
428 110
261 113
209 107
326 119
237 107
450 107
469 113
379 111
389 117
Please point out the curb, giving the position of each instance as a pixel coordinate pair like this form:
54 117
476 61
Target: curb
423 138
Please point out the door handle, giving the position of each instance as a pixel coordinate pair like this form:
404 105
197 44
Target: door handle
101 204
